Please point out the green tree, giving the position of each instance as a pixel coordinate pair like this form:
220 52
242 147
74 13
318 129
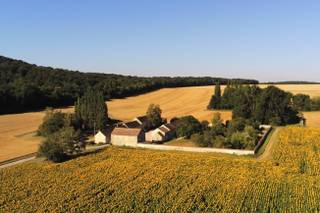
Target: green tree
215 101
91 110
154 118
53 121
301 102
274 107
187 126
52 150
59 146
217 125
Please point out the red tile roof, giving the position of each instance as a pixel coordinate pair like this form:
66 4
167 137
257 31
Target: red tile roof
126 131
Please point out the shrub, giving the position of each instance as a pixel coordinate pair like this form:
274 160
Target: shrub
52 150
187 126
61 145
52 122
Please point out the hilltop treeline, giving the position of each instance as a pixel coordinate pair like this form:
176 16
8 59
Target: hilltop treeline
26 86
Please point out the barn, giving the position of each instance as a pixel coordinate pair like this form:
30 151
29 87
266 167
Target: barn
121 136
163 133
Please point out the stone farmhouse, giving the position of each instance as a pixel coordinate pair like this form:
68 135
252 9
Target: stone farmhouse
122 136
131 133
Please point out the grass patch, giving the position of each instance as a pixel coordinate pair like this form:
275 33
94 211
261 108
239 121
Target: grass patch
266 142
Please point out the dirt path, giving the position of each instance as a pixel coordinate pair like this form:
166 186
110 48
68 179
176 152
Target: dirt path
267 154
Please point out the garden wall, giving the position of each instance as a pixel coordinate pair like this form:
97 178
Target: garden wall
196 149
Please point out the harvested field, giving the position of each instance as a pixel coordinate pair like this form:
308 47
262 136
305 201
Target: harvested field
17 130
309 89
174 102
17 134
313 118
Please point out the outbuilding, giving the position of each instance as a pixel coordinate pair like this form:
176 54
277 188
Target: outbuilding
163 133
122 136
100 137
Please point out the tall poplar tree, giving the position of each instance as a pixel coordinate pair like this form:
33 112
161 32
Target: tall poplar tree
91 110
215 102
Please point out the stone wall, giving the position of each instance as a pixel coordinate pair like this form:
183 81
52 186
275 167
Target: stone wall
196 149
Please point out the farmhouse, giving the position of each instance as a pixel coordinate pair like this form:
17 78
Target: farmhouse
163 133
122 136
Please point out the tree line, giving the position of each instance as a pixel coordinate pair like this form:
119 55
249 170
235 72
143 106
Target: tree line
267 106
25 87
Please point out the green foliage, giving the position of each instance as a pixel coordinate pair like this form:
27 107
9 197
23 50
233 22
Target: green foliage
154 118
237 134
301 102
245 101
59 146
215 101
52 122
26 87
246 139
187 126
217 125
274 107
91 110
52 150
269 106
236 125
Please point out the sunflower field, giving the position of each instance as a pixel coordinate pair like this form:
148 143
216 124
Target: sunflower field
138 180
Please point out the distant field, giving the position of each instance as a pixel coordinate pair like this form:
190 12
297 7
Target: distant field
173 102
185 101
17 130
313 118
309 89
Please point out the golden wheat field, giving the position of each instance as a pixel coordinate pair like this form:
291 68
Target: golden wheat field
174 102
17 130
138 180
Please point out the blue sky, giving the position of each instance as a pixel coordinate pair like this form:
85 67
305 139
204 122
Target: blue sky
266 40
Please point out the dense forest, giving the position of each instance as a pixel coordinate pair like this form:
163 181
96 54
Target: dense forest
25 87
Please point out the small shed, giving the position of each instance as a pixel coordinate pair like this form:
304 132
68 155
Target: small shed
100 137
122 136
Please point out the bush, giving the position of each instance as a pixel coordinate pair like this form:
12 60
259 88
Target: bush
52 150
187 126
52 122
61 145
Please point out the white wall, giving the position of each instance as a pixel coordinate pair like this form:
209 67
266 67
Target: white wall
153 135
196 149
100 138
121 140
